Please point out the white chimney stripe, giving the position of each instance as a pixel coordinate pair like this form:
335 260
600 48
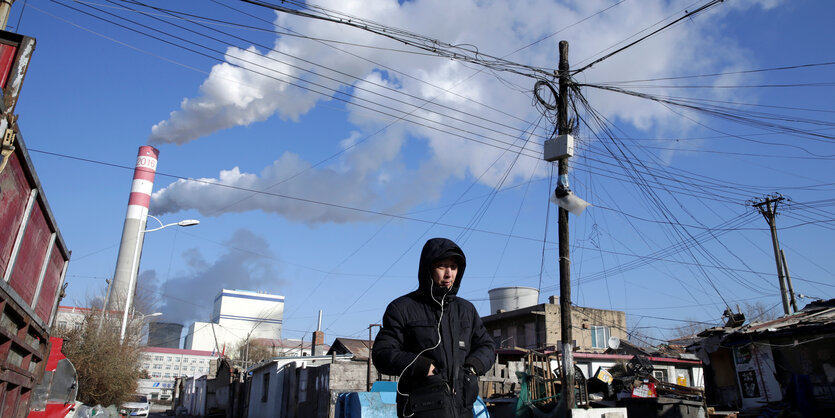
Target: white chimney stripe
142 186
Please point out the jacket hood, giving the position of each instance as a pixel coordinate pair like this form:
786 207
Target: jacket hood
437 249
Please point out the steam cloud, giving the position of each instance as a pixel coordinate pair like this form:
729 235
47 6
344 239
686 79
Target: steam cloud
233 96
244 265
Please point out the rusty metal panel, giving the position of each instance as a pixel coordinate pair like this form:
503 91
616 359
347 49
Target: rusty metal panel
51 281
27 267
23 403
7 55
14 194
10 399
24 46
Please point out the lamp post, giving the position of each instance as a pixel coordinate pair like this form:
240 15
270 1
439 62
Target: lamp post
134 269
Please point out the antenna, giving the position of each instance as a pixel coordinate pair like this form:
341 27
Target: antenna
614 343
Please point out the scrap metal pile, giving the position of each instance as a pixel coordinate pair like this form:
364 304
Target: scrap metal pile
635 380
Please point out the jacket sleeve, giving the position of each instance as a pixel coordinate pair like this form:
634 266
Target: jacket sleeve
483 352
388 354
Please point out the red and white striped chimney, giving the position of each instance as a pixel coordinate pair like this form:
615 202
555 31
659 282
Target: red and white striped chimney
130 249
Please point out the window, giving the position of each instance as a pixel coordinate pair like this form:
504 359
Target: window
158 358
146 366
599 337
265 388
176 367
155 375
661 375
157 366
167 375
168 358
167 367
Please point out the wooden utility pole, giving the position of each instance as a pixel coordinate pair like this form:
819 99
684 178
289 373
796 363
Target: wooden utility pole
768 208
563 128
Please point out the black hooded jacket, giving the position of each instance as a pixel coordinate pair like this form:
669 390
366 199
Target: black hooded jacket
410 325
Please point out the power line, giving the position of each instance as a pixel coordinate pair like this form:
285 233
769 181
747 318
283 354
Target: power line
284 196
621 49
719 74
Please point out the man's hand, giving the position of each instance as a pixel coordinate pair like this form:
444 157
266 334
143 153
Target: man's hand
431 370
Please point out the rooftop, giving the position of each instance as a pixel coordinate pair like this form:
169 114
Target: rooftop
163 350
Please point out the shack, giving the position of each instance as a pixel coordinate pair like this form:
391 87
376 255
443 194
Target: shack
784 364
305 386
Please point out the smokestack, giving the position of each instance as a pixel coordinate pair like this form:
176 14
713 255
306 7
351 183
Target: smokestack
130 249
317 347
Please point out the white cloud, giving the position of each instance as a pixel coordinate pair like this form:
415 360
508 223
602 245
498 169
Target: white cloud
233 96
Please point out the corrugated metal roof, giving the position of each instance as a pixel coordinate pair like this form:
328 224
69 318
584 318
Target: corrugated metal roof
811 319
815 314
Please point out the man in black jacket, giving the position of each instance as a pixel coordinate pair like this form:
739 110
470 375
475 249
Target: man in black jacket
434 341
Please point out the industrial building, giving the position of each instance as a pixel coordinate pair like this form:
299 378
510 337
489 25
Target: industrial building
71 316
238 315
165 364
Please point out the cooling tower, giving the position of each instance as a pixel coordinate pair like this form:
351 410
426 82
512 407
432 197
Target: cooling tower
164 334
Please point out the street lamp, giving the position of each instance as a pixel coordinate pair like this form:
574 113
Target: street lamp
149 315
134 270
185 222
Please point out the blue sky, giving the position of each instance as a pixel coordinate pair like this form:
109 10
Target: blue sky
348 189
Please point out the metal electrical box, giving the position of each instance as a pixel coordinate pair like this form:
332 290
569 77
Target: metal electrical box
559 147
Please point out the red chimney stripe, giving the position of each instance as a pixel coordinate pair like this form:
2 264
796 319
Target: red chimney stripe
149 151
140 199
141 173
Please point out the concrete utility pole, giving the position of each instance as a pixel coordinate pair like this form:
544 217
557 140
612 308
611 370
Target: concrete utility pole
5 9
768 208
104 305
788 280
563 128
368 376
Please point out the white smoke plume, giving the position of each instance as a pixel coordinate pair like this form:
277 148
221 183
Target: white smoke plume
234 96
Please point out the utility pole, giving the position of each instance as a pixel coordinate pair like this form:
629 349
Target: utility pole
788 280
104 305
768 208
5 9
563 128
